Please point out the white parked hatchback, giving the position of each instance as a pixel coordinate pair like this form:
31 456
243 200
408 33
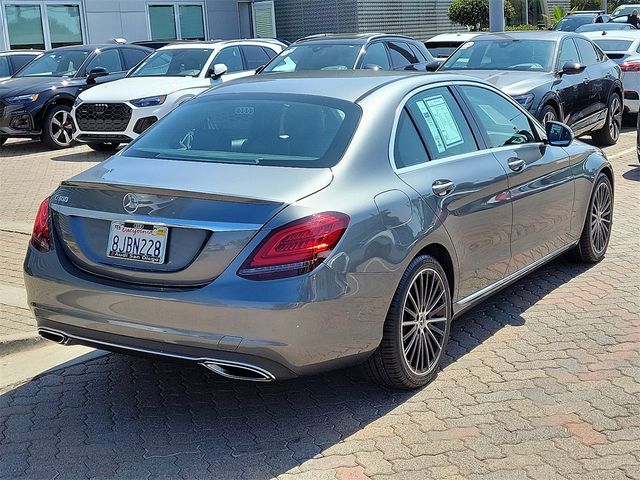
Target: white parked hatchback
107 115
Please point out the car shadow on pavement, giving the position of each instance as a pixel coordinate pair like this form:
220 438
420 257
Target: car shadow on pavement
632 174
84 155
22 148
129 417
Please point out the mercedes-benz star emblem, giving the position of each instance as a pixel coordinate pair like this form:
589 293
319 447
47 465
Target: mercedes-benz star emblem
130 203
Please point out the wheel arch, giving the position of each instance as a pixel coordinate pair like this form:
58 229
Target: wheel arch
445 259
60 99
552 100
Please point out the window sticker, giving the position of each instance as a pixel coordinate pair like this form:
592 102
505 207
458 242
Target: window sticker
444 120
435 133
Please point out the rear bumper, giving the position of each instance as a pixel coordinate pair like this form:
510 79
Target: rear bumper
289 327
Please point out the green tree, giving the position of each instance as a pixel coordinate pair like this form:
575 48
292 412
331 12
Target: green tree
474 13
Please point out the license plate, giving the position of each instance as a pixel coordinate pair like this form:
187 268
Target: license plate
141 242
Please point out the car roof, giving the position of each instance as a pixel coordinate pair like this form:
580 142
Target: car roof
349 85
361 38
97 46
554 35
220 43
452 37
21 52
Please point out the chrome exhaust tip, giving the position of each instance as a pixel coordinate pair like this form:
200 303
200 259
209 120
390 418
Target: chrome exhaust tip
53 336
238 371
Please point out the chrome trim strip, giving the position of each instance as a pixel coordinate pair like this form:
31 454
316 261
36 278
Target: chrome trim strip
201 360
515 275
165 222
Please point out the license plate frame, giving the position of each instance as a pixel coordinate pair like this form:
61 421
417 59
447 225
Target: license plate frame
137 242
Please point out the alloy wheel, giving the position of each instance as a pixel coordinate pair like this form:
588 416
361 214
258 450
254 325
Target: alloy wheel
424 321
601 218
62 128
615 120
550 116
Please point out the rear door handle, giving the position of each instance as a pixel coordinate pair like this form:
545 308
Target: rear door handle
516 164
442 187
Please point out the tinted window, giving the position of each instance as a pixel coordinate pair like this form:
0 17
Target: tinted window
132 57
4 67
401 54
523 55
173 62
588 54
408 148
55 64
270 53
419 54
19 61
255 56
441 123
259 129
568 53
316 56
376 55
504 123
442 49
230 56
109 60
571 22
613 45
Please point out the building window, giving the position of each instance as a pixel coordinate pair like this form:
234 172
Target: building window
176 21
43 25
264 20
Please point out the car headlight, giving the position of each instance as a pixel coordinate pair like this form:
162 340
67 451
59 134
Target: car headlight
525 100
22 99
148 101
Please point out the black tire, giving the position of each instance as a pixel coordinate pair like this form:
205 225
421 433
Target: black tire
590 249
389 365
57 127
104 146
548 113
609 134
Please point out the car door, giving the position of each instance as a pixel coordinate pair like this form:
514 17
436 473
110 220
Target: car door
437 153
540 176
598 91
572 88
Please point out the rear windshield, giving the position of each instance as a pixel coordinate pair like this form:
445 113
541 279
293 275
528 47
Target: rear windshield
613 45
442 49
570 23
260 129
316 56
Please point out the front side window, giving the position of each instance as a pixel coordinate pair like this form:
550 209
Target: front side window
504 123
401 55
230 56
24 23
376 55
64 25
63 64
588 53
109 60
441 123
521 55
568 53
261 129
316 56
173 62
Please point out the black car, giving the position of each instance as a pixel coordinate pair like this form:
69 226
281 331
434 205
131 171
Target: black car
36 101
14 60
573 20
555 75
351 51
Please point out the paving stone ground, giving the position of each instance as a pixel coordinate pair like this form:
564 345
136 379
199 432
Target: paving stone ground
542 381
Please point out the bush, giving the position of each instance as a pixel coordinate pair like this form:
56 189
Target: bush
511 28
472 13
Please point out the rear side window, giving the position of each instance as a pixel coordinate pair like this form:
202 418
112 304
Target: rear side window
109 60
255 56
408 149
132 57
419 54
20 61
262 129
441 123
401 55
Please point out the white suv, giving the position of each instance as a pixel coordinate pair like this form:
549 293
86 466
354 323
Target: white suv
107 115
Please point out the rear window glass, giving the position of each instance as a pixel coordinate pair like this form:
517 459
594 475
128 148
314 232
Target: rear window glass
442 49
613 45
266 129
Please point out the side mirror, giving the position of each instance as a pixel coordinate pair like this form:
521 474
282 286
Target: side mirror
433 65
217 71
571 68
558 134
95 73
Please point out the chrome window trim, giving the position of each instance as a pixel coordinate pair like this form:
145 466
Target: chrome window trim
471 83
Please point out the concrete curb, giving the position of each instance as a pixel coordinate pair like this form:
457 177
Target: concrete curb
19 342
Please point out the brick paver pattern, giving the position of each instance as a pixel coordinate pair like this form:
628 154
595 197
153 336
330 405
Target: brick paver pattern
542 381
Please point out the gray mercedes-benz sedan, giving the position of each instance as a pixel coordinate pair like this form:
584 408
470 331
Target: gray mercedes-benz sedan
283 226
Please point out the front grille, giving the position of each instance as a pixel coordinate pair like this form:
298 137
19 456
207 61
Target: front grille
103 117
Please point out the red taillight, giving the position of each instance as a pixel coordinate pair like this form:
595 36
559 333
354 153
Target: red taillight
41 235
630 66
296 248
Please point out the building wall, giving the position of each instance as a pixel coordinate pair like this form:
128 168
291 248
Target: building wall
299 18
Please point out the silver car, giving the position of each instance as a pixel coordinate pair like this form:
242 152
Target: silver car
284 226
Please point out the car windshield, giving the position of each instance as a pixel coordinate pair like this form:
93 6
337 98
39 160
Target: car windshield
572 22
442 49
600 27
315 56
173 62
277 130
4 66
534 55
613 45
64 63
